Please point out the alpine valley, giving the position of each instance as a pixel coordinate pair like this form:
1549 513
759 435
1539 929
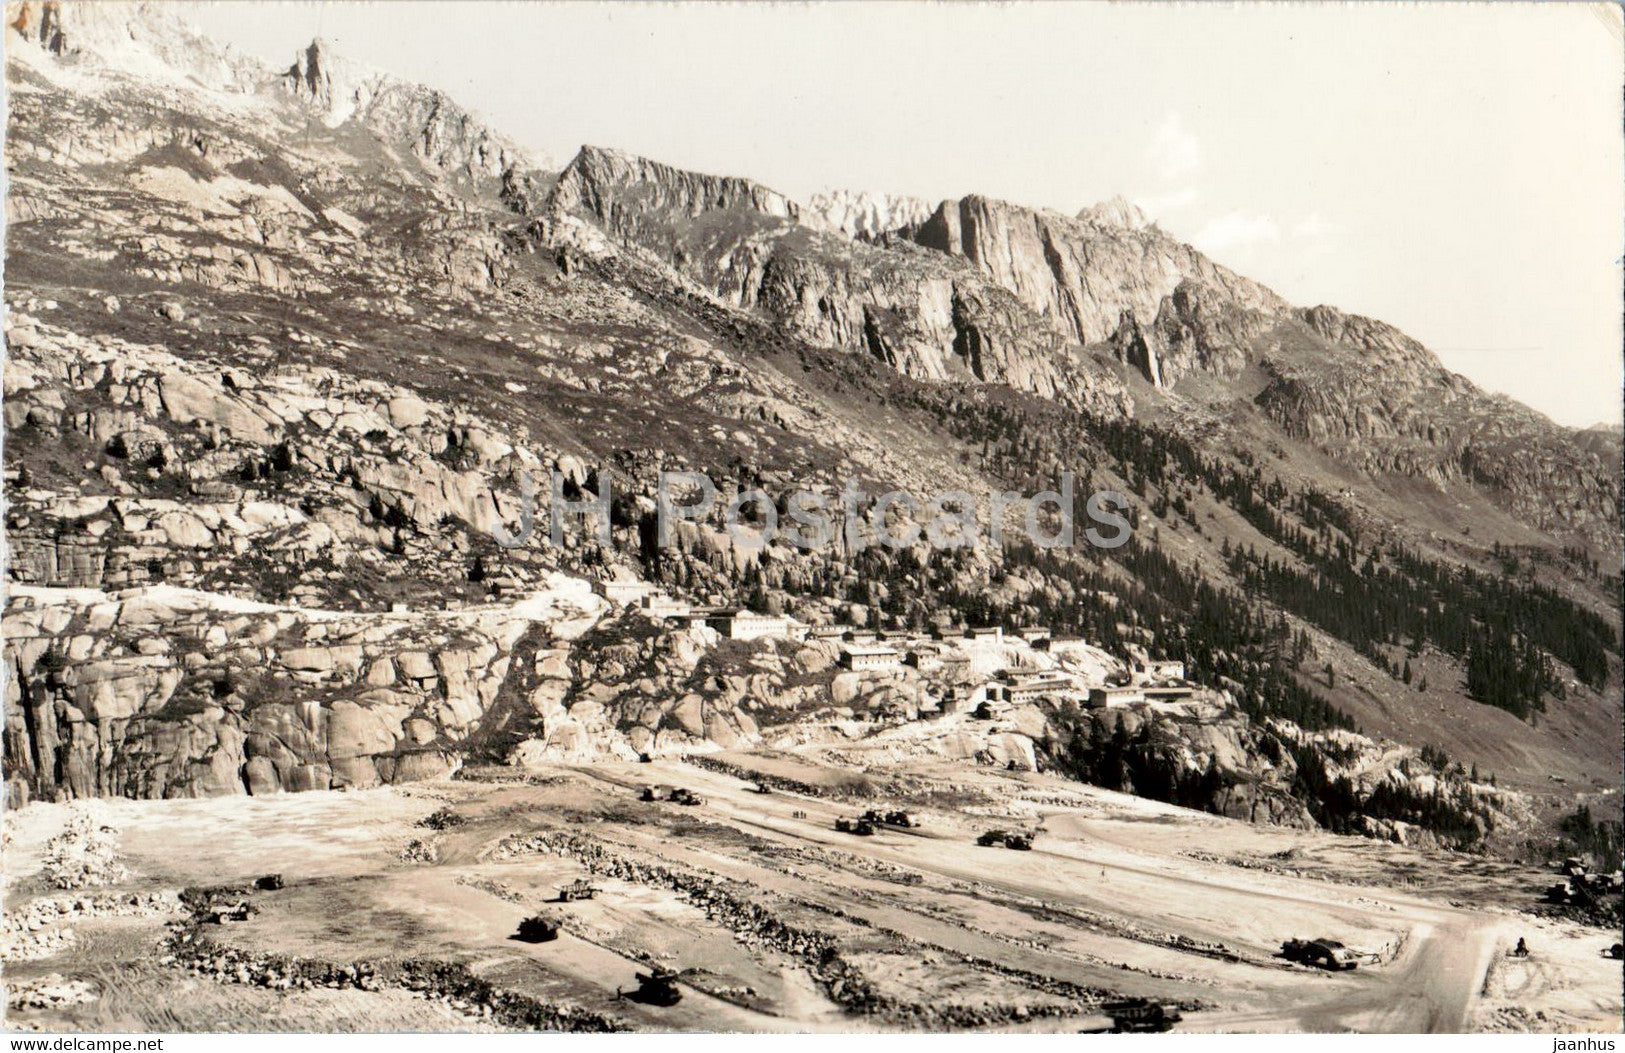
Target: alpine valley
284 341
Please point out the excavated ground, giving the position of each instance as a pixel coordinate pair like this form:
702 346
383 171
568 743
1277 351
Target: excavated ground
779 923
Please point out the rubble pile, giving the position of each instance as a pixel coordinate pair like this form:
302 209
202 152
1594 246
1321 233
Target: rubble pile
39 928
83 855
446 982
756 925
776 782
747 919
50 991
31 946
418 850
51 910
441 819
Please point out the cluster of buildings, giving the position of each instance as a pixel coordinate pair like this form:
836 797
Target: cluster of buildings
1150 682
734 623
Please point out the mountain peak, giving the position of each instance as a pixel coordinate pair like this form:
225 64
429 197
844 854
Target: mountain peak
866 215
1115 211
597 175
335 84
143 39
410 116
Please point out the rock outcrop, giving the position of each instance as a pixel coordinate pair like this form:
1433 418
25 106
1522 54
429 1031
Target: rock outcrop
146 39
164 692
1079 275
1117 212
929 318
866 216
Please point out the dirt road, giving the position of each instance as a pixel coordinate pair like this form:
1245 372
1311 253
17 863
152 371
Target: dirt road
1118 897
1105 867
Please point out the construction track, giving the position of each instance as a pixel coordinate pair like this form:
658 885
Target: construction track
778 922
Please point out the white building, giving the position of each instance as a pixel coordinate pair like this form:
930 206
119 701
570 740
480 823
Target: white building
1028 686
738 623
1166 670
1115 697
660 605
870 658
1155 671
624 591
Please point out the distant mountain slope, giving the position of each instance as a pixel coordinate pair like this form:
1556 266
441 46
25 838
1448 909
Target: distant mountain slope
1043 302
290 335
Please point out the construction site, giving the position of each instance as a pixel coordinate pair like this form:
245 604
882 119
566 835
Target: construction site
678 896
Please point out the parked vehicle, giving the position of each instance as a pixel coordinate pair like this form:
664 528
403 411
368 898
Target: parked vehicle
577 889
538 929
1021 842
890 818
658 987
1324 953
222 913
1141 1015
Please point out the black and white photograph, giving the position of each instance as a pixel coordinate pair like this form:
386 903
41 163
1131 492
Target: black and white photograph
865 519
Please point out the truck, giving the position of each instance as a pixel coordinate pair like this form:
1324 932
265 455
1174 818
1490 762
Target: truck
580 888
1133 1016
855 825
1323 953
538 928
674 794
222 912
1015 839
658 986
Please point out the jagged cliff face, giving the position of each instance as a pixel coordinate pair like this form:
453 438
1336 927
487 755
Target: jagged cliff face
630 196
145 38
1384 403
865 216
929 318
1080 276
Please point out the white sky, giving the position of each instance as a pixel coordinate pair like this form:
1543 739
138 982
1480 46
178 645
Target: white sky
1455 170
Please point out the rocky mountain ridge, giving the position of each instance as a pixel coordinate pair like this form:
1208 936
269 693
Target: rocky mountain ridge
867 216
1044 303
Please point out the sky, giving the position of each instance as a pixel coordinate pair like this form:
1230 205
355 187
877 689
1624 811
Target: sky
1453 169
